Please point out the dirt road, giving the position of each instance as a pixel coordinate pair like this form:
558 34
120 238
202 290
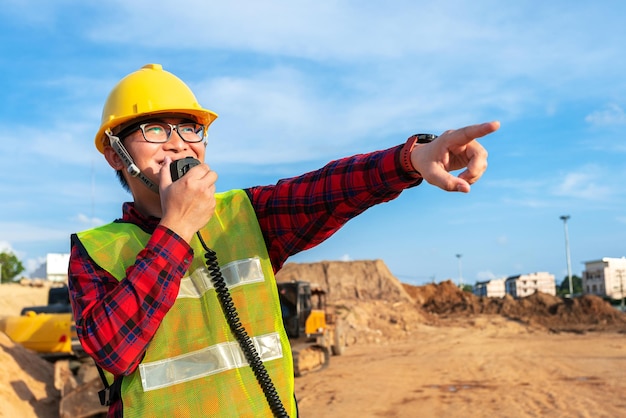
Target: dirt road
489 367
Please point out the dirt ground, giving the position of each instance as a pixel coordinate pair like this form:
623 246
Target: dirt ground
450 355
485 366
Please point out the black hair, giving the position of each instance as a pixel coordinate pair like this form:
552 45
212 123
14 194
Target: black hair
123 182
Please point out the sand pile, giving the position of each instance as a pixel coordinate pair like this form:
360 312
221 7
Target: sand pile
27 383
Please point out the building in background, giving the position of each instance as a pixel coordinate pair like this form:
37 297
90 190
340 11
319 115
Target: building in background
526 284
491 288
605 277
54 269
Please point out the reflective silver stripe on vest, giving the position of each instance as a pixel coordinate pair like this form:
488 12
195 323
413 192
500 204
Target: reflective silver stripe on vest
205 362
235 273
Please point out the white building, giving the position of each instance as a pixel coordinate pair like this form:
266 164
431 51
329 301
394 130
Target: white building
526 284
491 288
54 269
605 277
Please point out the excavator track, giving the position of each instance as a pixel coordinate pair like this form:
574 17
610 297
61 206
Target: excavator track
309 358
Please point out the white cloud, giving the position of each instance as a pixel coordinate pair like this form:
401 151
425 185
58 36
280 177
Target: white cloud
582 185
32 264
386 69
5 247
88 222
612 114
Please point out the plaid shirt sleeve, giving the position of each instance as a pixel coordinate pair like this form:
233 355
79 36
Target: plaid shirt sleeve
115 321
299 213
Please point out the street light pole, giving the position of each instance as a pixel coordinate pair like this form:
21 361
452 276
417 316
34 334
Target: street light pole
460 271
564 218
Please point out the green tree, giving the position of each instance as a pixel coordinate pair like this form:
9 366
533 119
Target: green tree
11 266
577 286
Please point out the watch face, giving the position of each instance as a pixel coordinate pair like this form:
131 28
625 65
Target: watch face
425 138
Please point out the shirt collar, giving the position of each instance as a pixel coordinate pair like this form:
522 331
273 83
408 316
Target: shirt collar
132 215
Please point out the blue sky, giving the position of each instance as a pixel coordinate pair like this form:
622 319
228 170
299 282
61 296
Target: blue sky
297 84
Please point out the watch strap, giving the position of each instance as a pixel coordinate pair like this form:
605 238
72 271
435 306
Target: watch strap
409 146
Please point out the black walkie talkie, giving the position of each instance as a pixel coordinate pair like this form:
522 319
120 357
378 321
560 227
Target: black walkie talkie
180 167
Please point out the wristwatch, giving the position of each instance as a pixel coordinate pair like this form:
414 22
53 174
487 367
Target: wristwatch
405 156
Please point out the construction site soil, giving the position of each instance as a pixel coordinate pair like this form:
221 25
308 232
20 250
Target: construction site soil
414 351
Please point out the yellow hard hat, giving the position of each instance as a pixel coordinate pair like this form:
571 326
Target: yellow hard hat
149 91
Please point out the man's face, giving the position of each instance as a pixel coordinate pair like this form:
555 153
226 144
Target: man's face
149 156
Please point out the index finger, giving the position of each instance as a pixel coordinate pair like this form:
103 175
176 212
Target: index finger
469 133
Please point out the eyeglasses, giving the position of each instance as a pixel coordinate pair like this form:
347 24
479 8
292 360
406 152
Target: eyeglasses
160 132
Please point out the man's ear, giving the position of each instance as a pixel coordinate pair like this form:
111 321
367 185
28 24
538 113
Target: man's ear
112 158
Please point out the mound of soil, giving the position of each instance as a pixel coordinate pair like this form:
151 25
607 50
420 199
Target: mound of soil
27 388
585 313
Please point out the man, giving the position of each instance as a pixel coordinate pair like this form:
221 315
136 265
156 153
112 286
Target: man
173 339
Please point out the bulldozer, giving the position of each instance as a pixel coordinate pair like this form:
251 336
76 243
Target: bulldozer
315 331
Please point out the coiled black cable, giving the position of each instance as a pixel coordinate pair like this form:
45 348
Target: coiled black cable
244 340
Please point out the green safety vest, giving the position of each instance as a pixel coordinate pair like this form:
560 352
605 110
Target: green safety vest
194 366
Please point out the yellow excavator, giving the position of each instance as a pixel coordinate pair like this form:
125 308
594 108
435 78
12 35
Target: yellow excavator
314 330
48 329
